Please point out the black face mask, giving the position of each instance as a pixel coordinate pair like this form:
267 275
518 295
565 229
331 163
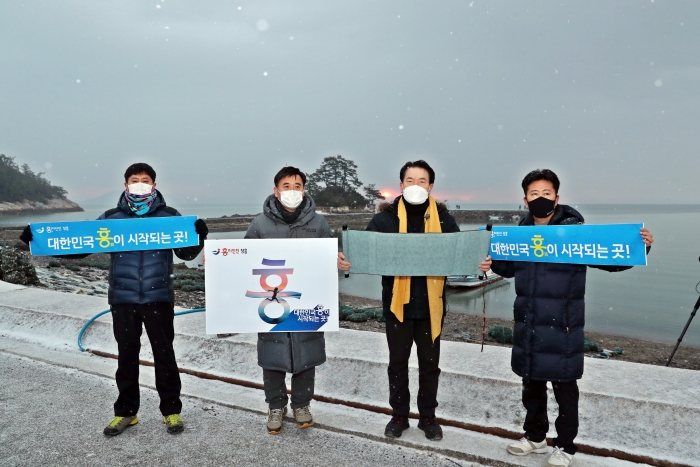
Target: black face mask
541 207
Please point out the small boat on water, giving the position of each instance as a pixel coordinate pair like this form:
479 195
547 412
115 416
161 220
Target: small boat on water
473 280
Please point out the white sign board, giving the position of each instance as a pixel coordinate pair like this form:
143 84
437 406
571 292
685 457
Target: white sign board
271 285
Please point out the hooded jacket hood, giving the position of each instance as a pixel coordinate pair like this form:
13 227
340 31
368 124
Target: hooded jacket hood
271 210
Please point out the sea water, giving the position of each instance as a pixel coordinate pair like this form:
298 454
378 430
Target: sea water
651 302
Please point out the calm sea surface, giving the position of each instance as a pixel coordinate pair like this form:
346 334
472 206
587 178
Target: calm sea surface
652 302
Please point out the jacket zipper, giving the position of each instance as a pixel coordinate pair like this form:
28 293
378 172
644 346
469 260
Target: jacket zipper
291 349
141 294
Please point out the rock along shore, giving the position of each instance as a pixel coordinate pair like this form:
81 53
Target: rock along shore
35 207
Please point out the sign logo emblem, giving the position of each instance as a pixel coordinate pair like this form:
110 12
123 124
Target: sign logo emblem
276 294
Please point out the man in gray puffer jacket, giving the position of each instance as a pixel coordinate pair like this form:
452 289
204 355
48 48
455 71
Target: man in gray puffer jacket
289 213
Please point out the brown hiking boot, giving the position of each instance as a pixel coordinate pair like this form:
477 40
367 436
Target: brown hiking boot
274 420
303 417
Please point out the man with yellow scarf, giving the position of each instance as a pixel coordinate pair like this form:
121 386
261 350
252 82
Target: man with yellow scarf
413 306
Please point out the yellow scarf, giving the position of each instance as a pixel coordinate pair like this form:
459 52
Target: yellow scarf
436 284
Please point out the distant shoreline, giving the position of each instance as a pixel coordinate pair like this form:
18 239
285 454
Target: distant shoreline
359 220
54 205
354 220
39 211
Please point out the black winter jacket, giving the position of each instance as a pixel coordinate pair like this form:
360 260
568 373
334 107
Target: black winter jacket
549 311
137 277
387 221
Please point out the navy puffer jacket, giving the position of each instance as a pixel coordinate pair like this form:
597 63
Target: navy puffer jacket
549 311
137 277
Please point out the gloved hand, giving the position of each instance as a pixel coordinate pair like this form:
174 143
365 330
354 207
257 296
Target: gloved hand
27 235
201 228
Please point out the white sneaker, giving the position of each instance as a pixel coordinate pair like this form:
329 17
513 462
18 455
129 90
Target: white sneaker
560 459
525 446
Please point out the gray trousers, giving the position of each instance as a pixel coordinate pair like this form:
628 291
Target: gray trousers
276 388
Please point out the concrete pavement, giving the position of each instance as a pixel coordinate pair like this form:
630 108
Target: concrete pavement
637 409
54 416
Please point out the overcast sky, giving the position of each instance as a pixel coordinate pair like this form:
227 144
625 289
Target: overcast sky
218 95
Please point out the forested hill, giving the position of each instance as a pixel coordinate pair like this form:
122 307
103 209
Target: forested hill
19 184
22 191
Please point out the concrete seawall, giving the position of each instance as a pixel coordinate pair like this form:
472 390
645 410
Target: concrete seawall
640 410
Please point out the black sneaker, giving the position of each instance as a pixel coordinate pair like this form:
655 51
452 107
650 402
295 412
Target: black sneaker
396 426
432 429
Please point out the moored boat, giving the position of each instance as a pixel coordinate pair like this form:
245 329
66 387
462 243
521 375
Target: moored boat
473 280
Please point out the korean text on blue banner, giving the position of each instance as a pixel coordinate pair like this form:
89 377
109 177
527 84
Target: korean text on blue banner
594 244
108 236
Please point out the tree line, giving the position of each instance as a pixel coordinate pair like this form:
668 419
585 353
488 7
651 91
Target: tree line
22 184
335 184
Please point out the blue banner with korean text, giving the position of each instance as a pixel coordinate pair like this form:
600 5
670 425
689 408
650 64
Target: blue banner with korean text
109 236
594 244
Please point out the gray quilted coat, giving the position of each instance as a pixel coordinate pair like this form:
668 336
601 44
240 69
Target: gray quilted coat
291 352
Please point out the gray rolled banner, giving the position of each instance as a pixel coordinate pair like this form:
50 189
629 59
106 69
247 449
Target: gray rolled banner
429 254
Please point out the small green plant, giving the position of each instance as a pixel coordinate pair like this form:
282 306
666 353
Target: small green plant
589 345
359 317
501 334
72 267
54 264
189 281
345 312
95 264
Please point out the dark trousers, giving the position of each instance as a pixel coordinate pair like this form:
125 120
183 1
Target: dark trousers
127 323
400 337
536 421
276 388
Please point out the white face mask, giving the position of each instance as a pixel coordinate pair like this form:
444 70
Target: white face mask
140 189
415 194
291 198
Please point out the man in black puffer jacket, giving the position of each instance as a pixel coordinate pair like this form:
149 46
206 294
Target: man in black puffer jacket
418 319
141 294
549 314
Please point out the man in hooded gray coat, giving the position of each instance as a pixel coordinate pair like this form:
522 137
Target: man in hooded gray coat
289 213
